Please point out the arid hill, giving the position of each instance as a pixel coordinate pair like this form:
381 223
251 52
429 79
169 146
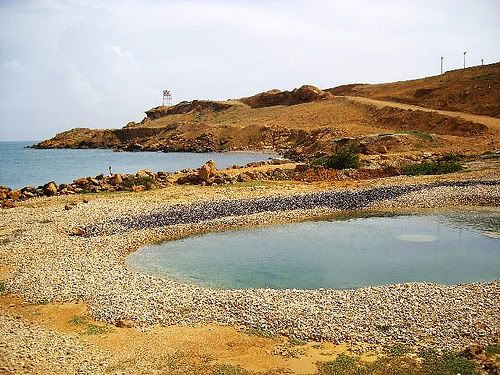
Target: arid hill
473 90
306 121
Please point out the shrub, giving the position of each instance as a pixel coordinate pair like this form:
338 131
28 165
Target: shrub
346 156
492 349
342 365
446 364
2 286
432 168
419 134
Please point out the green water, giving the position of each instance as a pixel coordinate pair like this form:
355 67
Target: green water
446 248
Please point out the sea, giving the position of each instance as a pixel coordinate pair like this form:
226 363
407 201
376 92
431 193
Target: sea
22 166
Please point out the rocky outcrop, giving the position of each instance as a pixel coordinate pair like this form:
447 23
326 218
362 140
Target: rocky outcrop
207 170
303 94
186 107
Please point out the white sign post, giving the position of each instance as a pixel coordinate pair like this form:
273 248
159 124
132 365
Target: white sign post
167 97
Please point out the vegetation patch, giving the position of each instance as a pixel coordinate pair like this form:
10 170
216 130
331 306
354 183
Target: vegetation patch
492 349
230 370
429 363
447 163
419 134
260 332
398 350
346 156
89 328
147 181
2 286
296 342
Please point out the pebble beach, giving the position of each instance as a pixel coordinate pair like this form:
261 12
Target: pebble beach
50 264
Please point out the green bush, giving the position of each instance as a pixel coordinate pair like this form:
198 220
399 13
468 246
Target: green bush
342 365
431 168
346 156
446 364
492 349
429 363
419 134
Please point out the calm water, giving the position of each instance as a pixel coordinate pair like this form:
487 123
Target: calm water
20 166
446 248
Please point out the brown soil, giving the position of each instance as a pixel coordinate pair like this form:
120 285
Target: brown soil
472 90
130 349
305 121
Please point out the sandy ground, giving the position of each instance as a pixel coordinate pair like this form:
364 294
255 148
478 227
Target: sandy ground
135 350
212 344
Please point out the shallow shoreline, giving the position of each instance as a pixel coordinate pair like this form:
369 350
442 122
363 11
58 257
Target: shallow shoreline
51 265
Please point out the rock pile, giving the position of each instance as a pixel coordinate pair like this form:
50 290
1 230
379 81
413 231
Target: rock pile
303 94
142 180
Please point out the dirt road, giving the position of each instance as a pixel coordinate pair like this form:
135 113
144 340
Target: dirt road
491 122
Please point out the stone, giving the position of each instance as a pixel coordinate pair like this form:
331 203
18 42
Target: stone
207 170
81 182
125 323
50 188
68 207
14 194
137 188
144 173
77 231
7 203
116 179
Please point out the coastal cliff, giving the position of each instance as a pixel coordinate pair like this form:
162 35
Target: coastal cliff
307 121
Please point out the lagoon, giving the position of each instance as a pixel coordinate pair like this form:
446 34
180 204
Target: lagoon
350 252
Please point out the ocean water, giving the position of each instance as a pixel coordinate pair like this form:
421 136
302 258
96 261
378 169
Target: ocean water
21 166
448 248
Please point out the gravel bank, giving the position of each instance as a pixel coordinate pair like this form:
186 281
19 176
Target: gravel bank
54 266
26 349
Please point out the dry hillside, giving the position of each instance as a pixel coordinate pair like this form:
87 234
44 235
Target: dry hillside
305 121
474 90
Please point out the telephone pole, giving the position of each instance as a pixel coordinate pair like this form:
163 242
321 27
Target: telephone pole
464 58
442 64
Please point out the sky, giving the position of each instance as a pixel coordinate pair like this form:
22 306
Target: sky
101 64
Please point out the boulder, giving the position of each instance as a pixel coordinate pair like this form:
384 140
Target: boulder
50 188
7 203
144 173
116 179
207 170
14 194
81 182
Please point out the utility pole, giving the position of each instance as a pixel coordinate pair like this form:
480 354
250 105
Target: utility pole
464 58
482 62
442 64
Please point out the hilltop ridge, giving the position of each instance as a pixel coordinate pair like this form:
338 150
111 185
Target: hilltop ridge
306 121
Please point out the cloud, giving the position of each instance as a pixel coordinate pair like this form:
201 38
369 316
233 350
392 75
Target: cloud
103 63
12 66
120 52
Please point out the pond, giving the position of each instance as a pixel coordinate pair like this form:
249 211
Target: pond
342 252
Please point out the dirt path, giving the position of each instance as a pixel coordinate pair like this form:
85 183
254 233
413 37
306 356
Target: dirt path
491 122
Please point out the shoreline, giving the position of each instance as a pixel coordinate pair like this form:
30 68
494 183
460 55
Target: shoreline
51 265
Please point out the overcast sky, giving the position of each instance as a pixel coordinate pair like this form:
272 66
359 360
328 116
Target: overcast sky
66 64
